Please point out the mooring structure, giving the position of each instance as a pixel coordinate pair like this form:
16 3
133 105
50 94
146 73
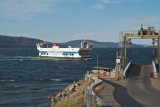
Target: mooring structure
126 37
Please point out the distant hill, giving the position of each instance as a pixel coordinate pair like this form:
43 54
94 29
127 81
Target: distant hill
96 44
17 41
25 41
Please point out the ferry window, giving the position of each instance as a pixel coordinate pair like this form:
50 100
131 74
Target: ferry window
71 54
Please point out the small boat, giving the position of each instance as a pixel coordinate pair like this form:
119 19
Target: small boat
64 53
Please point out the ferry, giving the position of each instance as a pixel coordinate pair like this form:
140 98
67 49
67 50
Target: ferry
57 52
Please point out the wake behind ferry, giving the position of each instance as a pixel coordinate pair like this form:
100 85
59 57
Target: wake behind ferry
65 53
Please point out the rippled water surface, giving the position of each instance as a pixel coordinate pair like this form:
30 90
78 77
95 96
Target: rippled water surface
27 80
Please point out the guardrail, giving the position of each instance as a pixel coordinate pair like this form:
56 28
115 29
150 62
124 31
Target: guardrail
94 97
90 95
100 102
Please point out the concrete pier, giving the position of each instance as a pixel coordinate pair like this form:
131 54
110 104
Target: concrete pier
139 89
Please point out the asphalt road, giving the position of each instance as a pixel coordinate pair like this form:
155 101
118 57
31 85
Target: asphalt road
135 91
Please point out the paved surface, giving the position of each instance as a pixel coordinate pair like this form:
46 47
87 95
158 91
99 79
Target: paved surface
135 91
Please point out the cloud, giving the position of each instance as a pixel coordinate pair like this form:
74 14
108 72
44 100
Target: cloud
27 9
106 1
102 4
118 1
98 6
24 9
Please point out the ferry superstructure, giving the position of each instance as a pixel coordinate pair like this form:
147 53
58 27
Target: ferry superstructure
65 53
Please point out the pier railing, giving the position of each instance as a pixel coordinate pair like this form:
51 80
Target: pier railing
99 101
91 96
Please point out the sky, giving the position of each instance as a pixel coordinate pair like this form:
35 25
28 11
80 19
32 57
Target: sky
65 20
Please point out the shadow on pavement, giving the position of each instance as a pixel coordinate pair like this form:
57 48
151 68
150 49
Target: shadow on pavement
122 97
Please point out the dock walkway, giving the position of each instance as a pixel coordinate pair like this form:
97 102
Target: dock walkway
137 90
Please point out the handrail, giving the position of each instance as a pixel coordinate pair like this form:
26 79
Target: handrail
98 99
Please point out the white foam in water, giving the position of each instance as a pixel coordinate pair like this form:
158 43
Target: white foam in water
12 80
56 80
16 86
20 58
7 80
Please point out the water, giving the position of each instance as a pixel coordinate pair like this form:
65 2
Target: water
27 80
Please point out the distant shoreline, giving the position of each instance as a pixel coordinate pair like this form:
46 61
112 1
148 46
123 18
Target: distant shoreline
25 41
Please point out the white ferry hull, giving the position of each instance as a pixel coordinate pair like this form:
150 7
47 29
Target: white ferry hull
59 53
63 53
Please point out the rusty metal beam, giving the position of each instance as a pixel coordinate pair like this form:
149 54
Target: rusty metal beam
136 36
